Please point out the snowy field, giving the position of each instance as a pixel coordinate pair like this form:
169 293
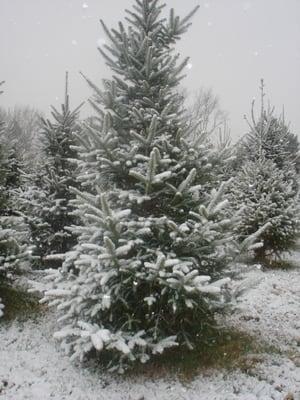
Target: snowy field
32 367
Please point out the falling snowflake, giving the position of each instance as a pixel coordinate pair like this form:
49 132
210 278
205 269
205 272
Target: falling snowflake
85 6
209 23
256 53
101 42
206 5
189 65
74 42
247 5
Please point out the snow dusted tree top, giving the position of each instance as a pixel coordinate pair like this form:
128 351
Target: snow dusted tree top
45 201
269 137
57 136
140 103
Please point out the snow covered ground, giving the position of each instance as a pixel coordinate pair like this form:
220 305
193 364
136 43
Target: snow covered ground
32 367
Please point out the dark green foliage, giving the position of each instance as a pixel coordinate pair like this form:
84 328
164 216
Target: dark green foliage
18 303
10 171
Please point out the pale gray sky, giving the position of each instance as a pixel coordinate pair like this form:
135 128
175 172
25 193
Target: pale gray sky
232 44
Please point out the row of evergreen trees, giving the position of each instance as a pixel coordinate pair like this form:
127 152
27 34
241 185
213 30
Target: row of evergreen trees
141 217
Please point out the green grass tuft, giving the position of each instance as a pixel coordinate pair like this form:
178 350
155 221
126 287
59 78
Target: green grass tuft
218 349
18 303
279 264
271 262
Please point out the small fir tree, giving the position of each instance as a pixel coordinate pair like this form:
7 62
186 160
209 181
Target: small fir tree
266 185
149 267
268 198
45 200
269 136
12 169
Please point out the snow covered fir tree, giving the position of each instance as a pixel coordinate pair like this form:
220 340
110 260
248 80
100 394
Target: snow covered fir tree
150 266
268 198
11 166
45 199
14 251
267 184
270 135
150 237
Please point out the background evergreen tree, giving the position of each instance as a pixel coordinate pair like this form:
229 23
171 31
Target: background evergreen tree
24 125
149 267
13 236
267 197
270 136
2 169
266 184
11 169
45 200
293 149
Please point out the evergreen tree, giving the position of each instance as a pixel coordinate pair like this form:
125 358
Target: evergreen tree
13 247
149 267
24 125
2 169
11 169
293 149
269 136
222 157
266 184
268 198
34 202
45 201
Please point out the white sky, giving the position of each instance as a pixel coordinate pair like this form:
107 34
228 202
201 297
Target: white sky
232 45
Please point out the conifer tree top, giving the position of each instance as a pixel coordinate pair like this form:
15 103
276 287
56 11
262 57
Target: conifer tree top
269 136
141 55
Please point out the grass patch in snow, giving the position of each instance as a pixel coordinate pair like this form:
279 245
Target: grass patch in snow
269 263
18 303
281 264
225 349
